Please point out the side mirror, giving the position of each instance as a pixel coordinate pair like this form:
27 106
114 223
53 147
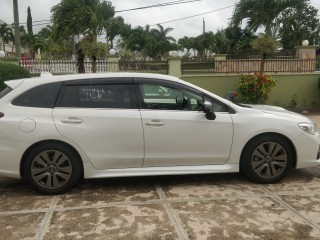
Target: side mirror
207 109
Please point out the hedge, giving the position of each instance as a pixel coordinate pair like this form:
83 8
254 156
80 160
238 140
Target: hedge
10 71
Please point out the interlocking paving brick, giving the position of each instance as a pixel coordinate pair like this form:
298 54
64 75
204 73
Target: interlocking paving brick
255 218
16 195
20 226
104 191
207 186
130 222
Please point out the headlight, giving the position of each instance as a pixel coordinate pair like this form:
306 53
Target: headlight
308 128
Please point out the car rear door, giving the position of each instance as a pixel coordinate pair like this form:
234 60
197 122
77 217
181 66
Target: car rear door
181 135
102 118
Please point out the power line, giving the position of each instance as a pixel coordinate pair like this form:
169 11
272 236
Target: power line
174 20
126 10
158 5
38 24
200 14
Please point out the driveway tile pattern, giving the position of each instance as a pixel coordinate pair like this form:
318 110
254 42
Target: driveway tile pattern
101 192
130 222
20 226
208 186
260 218
220 206
307 205
22 195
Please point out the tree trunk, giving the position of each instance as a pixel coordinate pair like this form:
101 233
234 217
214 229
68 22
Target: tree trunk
73 46
80 61
264 56
111 43
94 58
94 64
16 28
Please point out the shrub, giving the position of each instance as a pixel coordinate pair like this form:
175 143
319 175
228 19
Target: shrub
254 88
10 71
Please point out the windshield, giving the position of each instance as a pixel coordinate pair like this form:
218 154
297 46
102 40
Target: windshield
5 92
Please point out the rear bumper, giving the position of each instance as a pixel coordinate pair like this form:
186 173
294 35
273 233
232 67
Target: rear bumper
11 152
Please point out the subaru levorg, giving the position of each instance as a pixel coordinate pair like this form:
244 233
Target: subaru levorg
55 130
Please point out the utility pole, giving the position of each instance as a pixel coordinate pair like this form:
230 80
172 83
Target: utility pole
16 28
204 25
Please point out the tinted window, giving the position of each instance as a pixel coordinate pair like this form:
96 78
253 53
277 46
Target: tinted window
157 96
5 92
97 96
43 96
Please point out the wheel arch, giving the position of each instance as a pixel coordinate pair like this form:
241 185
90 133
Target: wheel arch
293 149
25 154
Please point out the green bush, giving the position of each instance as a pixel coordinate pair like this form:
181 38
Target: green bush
10 71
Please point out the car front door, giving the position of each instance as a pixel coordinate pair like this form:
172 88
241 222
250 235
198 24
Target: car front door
176 131
103 120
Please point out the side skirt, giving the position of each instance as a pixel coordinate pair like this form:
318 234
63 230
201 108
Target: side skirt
91 172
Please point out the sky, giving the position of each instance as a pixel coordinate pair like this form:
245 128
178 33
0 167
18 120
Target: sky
218 18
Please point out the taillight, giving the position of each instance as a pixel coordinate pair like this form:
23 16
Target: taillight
1 114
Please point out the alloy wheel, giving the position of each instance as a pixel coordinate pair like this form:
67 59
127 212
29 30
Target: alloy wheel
269 160
51 169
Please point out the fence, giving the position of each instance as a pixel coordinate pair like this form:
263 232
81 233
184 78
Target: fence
144 66
256 54
63 66
304 61
198 66
70 67
237 66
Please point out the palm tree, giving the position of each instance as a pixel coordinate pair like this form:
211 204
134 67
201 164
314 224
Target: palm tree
86 17
45 32
115 26
261 13
161 33
139 39
6 35
159 43
186 43
205 43
27 40
239 39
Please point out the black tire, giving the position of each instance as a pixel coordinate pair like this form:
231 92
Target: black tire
266 159
52 168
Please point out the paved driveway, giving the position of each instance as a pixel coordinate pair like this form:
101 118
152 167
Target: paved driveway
220 206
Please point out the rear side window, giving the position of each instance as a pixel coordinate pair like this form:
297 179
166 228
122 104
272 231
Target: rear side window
5 92
97 96
43 96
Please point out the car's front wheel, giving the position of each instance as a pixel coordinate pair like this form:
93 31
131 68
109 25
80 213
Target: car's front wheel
52 168
266 159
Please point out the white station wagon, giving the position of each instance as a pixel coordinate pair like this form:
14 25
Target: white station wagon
55 130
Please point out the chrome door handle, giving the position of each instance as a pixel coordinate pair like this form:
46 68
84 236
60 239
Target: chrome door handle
155 123
72 120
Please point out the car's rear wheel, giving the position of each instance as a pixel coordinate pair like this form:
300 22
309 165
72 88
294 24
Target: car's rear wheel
267 159
52 168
